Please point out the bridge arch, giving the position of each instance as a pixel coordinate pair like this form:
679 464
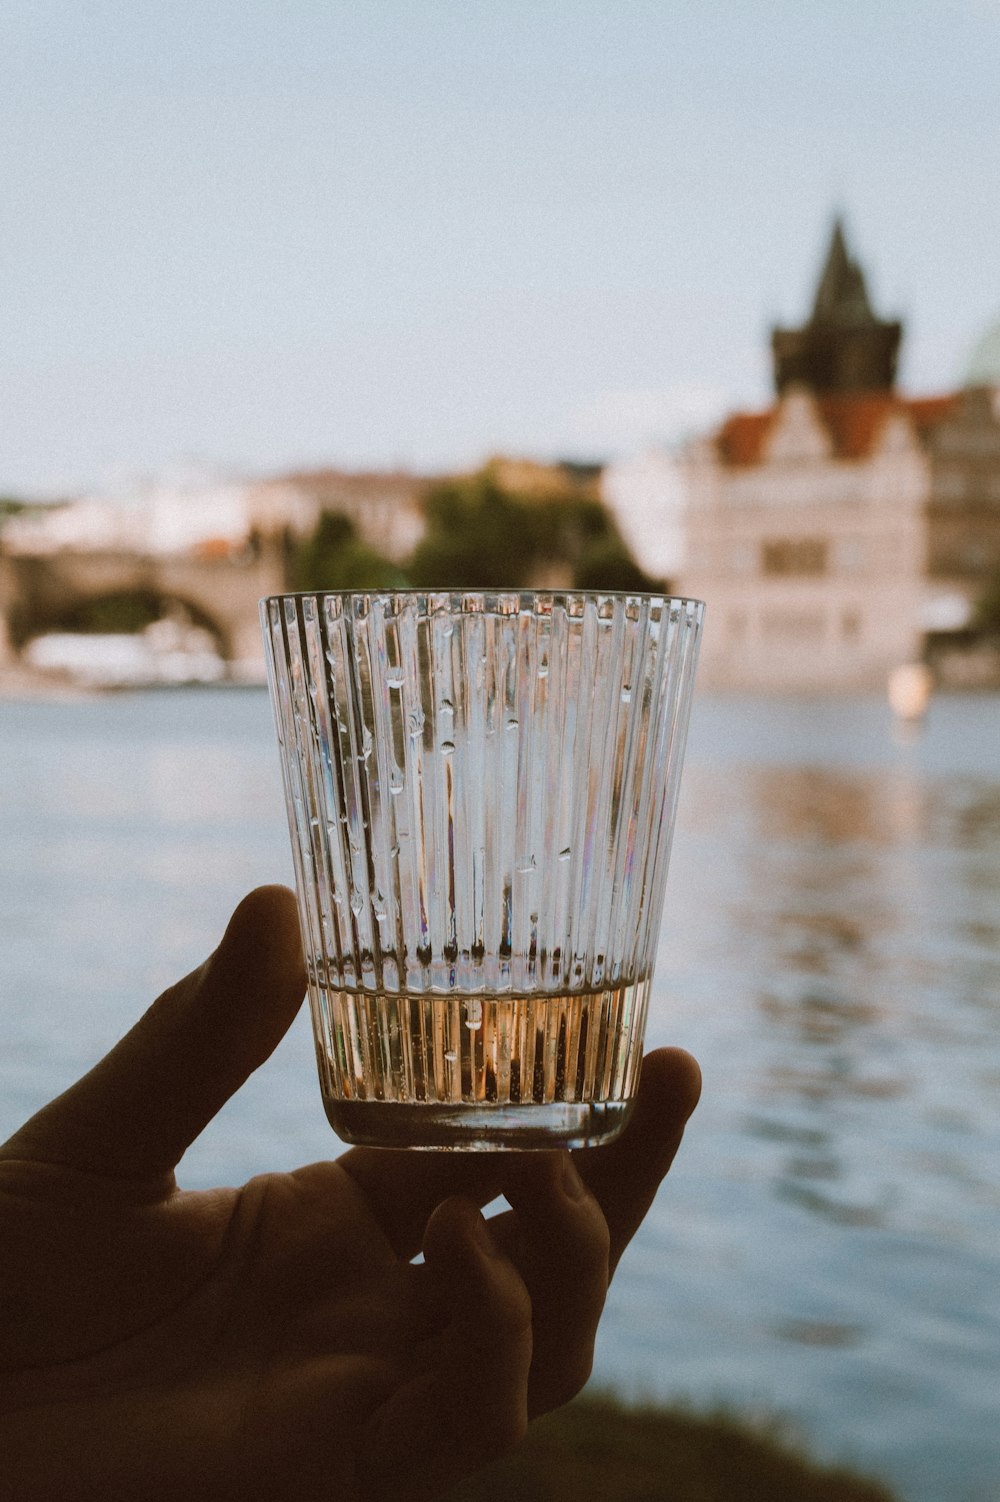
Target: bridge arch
128 609
43 591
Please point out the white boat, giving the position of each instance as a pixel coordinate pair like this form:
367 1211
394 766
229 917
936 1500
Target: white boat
165 654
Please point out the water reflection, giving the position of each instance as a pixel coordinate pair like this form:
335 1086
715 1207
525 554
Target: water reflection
860 923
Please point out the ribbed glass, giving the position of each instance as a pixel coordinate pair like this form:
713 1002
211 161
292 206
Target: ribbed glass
481 792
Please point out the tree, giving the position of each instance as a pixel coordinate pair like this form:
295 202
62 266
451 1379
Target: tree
607 564
484 535
479 536
335 557
986 617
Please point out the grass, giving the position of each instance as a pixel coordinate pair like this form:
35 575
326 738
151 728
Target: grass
599 1450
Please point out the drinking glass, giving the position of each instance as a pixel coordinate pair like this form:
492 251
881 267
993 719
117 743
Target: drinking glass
481 790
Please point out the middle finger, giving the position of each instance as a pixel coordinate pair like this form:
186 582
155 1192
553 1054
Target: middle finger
557 1237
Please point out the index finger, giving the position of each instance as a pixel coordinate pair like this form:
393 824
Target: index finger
625 1175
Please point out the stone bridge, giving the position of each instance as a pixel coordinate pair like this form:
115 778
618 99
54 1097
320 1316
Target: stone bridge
39 591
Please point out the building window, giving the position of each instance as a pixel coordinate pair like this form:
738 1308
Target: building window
794 555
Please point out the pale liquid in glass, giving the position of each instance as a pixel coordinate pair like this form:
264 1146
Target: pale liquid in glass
480 1071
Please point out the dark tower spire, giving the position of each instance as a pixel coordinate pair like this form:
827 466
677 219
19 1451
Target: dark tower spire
841 296
843 347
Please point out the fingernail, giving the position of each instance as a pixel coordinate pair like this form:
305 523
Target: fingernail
573 1186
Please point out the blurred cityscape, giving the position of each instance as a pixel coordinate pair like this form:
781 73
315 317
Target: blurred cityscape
845 532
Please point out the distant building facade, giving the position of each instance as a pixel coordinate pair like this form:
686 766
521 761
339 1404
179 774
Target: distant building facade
647 496
207 546
838 531
386 507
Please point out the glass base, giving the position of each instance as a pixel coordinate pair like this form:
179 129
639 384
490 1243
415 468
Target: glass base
477 1128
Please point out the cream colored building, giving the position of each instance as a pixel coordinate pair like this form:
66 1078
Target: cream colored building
807 535
846 529
647 496
386 507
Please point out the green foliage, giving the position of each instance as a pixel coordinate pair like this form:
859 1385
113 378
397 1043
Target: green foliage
479 536
482 535
987 613
597 1450
123 612
334 557
606 564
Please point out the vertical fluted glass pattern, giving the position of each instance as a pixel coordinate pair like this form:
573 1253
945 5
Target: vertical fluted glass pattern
481 790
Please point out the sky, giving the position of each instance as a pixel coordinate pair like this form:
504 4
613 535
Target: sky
269 234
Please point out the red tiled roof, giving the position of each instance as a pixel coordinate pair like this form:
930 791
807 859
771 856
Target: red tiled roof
853 420
741 438
928 411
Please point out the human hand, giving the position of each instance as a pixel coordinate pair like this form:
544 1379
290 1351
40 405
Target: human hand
277 1341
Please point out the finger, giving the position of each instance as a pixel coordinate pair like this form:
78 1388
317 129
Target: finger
625 1175
470 1402
402 1189
558 1237
137 1110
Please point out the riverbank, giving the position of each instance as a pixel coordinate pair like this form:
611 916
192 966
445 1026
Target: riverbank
597 1449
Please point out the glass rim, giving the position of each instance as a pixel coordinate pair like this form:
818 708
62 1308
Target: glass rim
482 593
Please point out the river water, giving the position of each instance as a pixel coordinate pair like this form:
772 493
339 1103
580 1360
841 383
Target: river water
828 1245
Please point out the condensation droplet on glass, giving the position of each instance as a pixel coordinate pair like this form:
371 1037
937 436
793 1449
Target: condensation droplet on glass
451 1055
564 855
394 680
366 743
395 782
543 670
447 707
512 724
626 692
526 864
356 903
393 852
447 748
415 721
473 1015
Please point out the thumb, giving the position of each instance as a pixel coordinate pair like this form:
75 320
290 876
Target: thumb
137 1111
